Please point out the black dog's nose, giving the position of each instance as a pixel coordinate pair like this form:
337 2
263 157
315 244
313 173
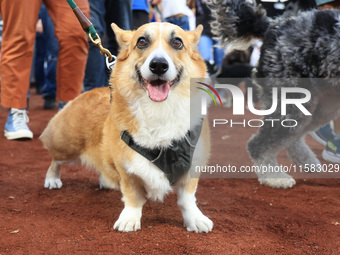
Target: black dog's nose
159 65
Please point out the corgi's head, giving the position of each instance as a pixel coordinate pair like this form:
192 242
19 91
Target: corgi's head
157 60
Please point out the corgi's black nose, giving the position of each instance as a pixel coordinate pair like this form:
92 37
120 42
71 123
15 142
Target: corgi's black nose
159 65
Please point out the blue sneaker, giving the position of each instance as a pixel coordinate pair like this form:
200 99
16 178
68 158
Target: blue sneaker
16 125
332 151
323 135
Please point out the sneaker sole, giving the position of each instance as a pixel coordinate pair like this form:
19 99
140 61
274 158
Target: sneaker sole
330 157
21 134
318 138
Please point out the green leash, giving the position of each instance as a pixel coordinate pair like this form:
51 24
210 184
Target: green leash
92 33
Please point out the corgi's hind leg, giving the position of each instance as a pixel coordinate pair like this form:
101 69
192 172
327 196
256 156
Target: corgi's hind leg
52 179
111 182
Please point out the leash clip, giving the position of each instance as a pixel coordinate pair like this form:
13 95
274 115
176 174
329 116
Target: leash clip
110 59
110 64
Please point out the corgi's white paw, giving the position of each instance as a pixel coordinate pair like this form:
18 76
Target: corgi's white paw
53 183
198 223
194 219
129 219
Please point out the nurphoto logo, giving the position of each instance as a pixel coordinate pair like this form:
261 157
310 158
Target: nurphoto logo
281 97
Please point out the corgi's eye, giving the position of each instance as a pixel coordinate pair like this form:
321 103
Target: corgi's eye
142 42
177 43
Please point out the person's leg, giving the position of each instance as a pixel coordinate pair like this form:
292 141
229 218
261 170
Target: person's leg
140 17
20 18
218 54
337 128
39 61
205 47
323 134
19 30
95 74
119 12
73 47
332 151
52 45
332 140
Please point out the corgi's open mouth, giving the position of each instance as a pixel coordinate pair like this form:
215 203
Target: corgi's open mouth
158 88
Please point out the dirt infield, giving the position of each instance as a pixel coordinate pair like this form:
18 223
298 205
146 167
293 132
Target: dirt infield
77 219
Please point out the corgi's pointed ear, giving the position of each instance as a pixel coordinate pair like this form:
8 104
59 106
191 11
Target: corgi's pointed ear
123 37
194 39
195 35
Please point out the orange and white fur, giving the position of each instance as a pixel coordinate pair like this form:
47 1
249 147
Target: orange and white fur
150 99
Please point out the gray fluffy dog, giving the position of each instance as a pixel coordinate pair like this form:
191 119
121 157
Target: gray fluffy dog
303 46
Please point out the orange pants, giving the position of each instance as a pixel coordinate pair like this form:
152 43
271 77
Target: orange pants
20 18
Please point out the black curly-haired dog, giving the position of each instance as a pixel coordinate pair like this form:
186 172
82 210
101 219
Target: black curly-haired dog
303 46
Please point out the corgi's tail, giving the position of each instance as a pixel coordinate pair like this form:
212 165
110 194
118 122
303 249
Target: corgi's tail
236 22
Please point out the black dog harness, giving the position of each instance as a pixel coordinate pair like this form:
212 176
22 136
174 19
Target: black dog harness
175 160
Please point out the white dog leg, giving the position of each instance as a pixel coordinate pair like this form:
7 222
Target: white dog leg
52 180
134 199
194 220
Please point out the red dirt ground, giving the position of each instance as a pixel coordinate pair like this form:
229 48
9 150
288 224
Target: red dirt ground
77 219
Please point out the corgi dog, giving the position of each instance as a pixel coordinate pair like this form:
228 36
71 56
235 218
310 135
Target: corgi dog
147 108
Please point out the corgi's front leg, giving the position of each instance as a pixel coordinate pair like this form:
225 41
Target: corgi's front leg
194 219
134 199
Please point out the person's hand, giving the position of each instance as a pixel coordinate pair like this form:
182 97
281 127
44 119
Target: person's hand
155 2
39 27
191 4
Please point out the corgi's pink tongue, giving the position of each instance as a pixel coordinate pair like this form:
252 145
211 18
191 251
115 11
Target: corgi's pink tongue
158 93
